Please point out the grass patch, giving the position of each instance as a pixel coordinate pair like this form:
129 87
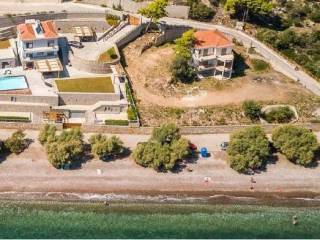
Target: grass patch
259 65
108 56
86 85
4 44
117 122
112 20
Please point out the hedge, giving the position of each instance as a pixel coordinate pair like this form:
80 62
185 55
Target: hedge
14 119
117 122
132 110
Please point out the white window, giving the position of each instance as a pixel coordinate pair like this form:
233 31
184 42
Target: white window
50 43
29 45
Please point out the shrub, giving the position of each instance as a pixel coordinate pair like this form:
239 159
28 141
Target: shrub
279 115
259 65
112 20
104 147
163 150
16 143
296 143
182 71
248 149
252 109
117 122
47 132
131 113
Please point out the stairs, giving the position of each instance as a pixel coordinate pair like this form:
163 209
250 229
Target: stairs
7 33
113 31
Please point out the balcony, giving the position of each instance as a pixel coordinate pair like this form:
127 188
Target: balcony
42 49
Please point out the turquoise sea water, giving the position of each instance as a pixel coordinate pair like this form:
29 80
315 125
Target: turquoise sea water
119 220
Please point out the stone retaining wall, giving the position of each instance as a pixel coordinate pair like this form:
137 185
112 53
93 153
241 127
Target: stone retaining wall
170 33
136 32
86 98
147 130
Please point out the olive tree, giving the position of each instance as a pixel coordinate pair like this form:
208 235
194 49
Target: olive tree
104 147
17 142
247 7
47 133
154 10
163 150
298 144
248 149
65 148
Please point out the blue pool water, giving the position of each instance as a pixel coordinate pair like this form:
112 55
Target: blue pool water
12 83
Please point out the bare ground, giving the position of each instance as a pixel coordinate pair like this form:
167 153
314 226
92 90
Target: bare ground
158 99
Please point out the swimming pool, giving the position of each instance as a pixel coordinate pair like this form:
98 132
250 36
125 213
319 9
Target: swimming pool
12 83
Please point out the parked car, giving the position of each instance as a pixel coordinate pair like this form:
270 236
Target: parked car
224 146
192 147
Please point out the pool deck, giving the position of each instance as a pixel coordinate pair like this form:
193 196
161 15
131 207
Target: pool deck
35 83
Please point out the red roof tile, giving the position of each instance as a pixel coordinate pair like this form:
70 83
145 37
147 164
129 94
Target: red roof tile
211 39
49 29
26 31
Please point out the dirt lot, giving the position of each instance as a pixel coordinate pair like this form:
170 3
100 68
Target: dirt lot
218 101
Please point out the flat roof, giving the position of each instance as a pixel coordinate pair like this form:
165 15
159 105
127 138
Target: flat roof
86 85
82 31
49 65
7 53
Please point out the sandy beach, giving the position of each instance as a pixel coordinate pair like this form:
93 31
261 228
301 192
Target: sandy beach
30 174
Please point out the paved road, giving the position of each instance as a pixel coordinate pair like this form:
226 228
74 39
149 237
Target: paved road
278 62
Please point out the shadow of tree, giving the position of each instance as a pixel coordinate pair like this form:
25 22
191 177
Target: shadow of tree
239 65
126 152
185 163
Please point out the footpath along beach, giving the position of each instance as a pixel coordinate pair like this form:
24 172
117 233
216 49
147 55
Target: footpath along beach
30 175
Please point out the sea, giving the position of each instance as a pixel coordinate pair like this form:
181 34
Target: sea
142 218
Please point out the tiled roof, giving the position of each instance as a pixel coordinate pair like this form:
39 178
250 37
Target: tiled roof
26 31
211 39
49 29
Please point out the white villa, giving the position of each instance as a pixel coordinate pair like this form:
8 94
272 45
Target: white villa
38 42
212 54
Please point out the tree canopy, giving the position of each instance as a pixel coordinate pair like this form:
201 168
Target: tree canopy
64 148
155 10
104 147
248 149
296 143
184 44
260 7
17 142
162 151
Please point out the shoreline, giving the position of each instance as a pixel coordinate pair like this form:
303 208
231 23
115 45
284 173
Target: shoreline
290 199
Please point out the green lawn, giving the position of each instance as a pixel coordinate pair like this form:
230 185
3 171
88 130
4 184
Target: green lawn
86 85
4 44
108 56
